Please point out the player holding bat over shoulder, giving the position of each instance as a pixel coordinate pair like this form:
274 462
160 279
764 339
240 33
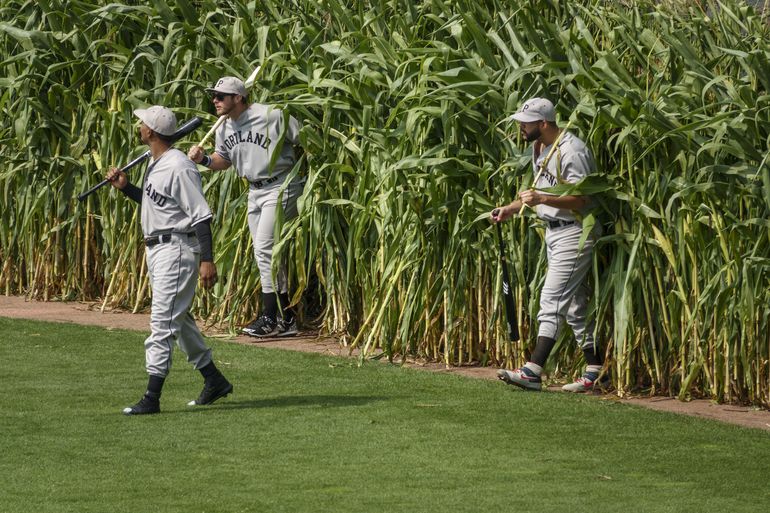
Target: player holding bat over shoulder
175 221
258 141
558 157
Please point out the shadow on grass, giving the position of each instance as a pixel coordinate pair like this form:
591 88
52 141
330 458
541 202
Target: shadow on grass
289 401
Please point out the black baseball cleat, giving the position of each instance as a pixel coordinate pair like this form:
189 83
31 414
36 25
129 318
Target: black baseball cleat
212 390
147 405
287 327
263 327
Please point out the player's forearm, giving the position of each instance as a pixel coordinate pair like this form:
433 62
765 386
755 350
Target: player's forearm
203 233
133 192
218 162
565 202
215 161
515 206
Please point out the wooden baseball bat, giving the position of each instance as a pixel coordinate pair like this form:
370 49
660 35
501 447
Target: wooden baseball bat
183 130
510 308
212 130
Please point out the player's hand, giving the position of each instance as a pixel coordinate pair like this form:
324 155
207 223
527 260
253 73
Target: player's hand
208 274
501 213
531 198
117 178
196 154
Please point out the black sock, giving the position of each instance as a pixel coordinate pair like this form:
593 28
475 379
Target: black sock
155 385
269 304
210 371
286 312
542 350
593 356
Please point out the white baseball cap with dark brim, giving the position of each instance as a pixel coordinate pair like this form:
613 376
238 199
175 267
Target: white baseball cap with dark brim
535 109
228 85
158 119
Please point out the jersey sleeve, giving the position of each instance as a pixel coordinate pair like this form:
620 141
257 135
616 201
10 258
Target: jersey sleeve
187 190
221 149
576 165
292 131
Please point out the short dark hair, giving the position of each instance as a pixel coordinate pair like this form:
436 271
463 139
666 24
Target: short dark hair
168 139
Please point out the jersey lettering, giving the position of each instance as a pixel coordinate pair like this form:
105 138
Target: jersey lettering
154 195
548 177
237 138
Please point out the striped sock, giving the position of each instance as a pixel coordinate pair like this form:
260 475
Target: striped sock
535 368
592 371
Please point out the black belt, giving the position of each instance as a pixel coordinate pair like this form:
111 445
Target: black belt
262 183
165 237
559 223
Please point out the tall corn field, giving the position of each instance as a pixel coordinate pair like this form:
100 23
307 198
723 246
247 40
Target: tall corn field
407 149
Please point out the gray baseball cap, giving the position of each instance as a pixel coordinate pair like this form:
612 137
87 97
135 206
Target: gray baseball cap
228 85
159 119
535 109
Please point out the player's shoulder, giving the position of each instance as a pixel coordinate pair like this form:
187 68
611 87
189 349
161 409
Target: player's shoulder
572 144
573 141
180 158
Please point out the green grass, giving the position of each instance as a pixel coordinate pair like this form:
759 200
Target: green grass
306 432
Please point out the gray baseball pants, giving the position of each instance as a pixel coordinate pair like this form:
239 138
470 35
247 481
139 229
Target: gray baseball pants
565 292
173 270
262 205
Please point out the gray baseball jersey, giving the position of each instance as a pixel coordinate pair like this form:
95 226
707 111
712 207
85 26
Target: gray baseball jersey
173 203
173 198
570 162
249 144
250 141
564 295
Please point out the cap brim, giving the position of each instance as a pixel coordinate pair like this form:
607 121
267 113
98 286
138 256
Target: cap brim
523 117
141 114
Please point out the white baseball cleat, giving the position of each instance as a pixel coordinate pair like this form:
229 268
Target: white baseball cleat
522 378
587 383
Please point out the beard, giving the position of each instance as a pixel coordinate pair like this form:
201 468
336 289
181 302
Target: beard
532 135
224 110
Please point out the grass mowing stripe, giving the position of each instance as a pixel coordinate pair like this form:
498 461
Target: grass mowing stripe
306 432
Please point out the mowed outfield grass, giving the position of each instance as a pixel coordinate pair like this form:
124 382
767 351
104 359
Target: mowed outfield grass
306 433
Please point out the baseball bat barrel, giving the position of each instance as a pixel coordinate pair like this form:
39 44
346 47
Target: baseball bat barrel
185 129
510 308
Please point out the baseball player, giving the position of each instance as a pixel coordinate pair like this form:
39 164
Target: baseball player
258 141
558 157
177 235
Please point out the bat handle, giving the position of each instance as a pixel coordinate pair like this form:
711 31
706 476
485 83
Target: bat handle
212 130
104 182
84 195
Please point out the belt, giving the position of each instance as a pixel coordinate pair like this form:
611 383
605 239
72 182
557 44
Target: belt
262 183
165 237
558 223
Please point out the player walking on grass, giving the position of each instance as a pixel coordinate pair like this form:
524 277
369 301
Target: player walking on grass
258 141
177 235
563 158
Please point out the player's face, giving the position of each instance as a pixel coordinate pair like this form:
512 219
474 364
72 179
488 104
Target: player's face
223 103
530 131
144 133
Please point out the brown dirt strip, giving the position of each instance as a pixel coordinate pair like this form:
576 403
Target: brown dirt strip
91 314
